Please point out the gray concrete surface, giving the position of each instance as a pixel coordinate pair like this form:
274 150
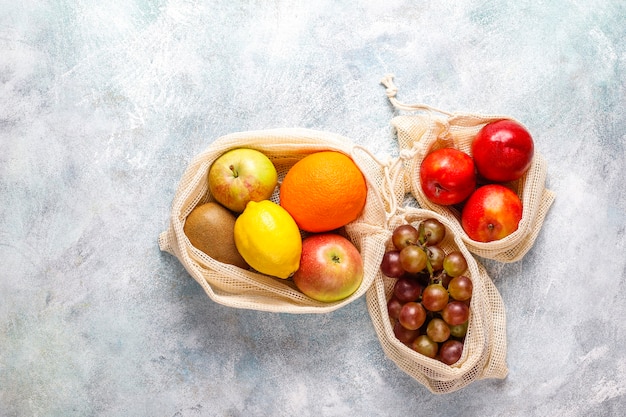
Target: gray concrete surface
102 106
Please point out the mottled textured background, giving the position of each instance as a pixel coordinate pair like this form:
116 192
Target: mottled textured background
102 106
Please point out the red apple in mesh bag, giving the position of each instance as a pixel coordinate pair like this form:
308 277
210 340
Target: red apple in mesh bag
491 213
502 151
331 268
447 176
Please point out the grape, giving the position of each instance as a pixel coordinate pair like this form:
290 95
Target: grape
438 330
412 315
425 345
390 265
455 312
403 334
407 289
445 280
434 297
436 255
413 259
433 231
454 264
450 351
404 236
461 288
422 277
430 302
459 330
393 307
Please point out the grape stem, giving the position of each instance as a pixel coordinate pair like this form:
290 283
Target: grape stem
429 266
422 236
422 244
438 279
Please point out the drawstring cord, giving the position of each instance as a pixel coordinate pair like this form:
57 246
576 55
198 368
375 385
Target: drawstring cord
392 91
392 169
392 174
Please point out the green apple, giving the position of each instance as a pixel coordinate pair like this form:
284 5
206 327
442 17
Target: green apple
242 175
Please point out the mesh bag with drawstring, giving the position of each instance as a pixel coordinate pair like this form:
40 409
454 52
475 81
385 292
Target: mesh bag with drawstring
484 349
235 287
421 130
485 344
424 129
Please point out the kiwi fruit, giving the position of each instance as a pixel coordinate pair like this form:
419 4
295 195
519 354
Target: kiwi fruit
209 228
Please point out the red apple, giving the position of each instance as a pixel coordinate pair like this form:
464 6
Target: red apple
502 151
492 212
242 175
331 267
447 176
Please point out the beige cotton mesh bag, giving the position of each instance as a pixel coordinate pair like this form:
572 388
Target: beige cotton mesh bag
485 344
426 129
484 351
239 288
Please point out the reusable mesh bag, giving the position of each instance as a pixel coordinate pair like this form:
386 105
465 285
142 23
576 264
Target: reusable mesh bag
484 349
427 129
485 344
235 287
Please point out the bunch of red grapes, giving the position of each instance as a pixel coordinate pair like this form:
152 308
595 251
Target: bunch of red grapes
430 304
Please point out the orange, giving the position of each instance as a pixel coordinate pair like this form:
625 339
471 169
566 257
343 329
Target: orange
323 191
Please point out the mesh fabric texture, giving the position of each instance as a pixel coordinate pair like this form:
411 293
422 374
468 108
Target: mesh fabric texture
425 129
485 344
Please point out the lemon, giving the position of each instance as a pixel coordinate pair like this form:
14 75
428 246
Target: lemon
268 238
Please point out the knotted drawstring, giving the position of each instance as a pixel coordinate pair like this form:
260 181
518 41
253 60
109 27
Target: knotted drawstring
392 169
392 174
392 91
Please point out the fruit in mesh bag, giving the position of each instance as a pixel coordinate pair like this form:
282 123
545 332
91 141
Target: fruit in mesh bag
502 151
323 191
241 175
210 228
491 213
331 267
429 309
268 239
447 176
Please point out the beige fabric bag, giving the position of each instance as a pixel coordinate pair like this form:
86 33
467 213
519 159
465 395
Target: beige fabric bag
235 287
484 352
485 346
426 129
